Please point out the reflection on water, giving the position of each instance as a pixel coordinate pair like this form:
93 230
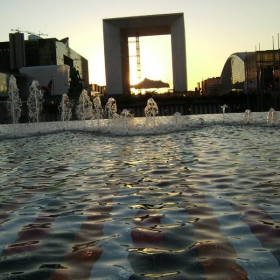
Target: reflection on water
197 204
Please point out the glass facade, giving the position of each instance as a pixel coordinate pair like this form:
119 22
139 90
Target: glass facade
262 69
31 53
65 55
238 72
267 63
47 52
233 74
251 72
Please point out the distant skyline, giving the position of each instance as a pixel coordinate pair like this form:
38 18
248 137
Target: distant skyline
214 30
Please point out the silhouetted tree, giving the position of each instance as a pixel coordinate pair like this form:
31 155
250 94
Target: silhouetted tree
76 82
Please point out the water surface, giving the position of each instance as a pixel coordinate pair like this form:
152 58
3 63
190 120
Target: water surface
194 204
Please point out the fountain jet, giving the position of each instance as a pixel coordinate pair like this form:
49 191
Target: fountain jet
35 101
272 117
98 110
247 116
151 110
111 110
65 108
84 109
224 110
14 102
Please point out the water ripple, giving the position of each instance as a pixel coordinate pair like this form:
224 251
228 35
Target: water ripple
199 204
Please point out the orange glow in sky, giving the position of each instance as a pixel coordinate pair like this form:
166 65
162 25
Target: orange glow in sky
213 31
156 63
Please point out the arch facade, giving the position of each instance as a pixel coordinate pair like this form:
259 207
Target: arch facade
116 32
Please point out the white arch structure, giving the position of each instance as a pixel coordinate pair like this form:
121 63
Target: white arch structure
116 32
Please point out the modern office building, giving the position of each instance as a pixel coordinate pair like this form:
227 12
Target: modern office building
262 70
210 86
18 53
251 72
233 74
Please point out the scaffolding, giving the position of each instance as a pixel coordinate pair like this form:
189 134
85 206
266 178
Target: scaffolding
137 44
138 58
29 32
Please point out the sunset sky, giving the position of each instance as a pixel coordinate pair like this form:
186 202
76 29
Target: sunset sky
214 30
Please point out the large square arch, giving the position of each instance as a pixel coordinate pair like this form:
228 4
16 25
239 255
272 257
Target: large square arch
116 32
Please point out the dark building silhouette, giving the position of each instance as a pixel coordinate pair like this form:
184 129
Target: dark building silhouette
262 70
37 51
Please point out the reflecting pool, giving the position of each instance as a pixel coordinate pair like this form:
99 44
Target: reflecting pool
195 202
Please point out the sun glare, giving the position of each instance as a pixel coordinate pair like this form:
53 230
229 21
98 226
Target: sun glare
155 59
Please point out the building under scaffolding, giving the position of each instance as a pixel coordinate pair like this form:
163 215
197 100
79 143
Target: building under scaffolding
253 73
262 75
262 70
